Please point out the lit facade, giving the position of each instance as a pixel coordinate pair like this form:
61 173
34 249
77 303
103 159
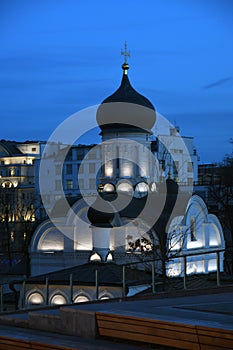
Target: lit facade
122 164
177 157
17 179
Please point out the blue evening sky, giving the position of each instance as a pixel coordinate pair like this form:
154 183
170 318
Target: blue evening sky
59 56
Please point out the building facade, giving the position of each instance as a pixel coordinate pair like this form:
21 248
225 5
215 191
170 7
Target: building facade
126 166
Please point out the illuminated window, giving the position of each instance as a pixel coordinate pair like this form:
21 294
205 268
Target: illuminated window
7 184
81 299
35 299
58 299
69 184
108 168
126 168
109 188
125 187
104 297
95 256
142 187
109 257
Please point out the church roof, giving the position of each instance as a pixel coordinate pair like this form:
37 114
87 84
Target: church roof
126 108
126 93
108 274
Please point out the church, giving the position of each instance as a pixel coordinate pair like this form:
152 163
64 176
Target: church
138 213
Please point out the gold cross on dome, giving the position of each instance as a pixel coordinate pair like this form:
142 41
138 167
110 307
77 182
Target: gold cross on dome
125 53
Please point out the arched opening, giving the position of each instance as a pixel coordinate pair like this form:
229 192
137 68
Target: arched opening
125 187
81 299
109 187
110 257
35 298
95 257
104 297
58 299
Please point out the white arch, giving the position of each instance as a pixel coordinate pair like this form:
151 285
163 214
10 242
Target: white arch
34 291
82 293
220 240
198 202
58 292
105 294
41 228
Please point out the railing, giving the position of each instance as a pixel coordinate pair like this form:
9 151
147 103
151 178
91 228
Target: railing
185 275
154 281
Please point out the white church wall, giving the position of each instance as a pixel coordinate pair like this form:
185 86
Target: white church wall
199 233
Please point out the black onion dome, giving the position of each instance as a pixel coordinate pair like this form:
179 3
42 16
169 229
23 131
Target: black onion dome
101 213
126 93
126 106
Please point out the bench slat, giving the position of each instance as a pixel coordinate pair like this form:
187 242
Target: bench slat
178 334
180 344
7 343
146 322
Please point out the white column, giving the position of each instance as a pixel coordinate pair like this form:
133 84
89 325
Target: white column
101 241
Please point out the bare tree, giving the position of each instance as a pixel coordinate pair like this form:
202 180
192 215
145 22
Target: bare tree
220 201
17 216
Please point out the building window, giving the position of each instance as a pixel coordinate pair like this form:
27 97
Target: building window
190 181
57 185
69 184
92 184
81 183
69 155
80 168
58 299
57 170
35 298
33 149
69 169
91 168
92 154
81 299
190 167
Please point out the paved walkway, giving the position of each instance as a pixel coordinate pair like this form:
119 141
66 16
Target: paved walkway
70 342
212 310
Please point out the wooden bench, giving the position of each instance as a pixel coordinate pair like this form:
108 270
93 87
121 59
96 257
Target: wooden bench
215 338
8 343
171 334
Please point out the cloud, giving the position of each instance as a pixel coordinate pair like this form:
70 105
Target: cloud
218 83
